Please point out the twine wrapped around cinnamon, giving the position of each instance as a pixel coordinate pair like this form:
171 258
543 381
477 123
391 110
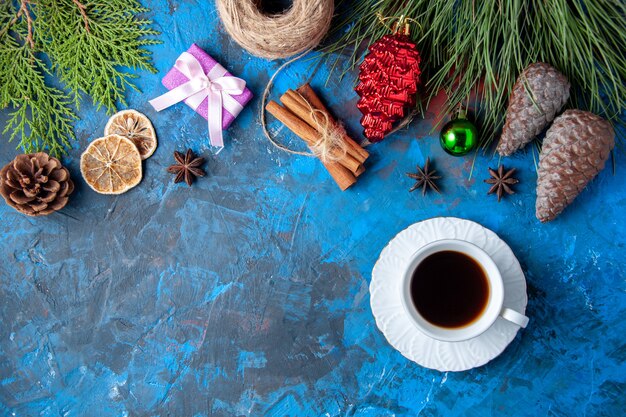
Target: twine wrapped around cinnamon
329 146
306 116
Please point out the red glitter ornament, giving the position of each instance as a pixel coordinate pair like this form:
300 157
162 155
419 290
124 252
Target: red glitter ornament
388 77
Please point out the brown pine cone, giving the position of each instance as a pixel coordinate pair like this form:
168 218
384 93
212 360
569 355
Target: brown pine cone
35 184
575 149
539 93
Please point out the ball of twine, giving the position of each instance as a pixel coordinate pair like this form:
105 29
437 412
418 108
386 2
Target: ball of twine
299 28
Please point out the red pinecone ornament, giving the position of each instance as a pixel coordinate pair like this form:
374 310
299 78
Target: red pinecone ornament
388 77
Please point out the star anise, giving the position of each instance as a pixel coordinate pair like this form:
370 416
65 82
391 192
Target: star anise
501 181
425 178
187 167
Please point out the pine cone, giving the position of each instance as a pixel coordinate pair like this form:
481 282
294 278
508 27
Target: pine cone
539 93
388 77
35 184
575 149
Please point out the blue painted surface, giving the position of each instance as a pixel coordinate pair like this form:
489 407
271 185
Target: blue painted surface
248 293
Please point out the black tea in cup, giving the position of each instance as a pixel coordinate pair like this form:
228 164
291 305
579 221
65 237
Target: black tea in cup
449 289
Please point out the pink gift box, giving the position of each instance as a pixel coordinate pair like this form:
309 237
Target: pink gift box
174 78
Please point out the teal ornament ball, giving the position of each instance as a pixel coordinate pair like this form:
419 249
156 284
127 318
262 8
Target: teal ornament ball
459 136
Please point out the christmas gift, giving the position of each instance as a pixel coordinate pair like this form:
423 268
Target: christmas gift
205 86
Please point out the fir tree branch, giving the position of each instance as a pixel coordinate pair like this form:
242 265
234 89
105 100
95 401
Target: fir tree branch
22 12
8 18
89 45
42 116
29 22
83 13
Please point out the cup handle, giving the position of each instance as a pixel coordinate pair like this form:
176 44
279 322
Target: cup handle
514 317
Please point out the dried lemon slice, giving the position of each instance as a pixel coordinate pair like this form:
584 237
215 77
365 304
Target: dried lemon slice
135 126
111 165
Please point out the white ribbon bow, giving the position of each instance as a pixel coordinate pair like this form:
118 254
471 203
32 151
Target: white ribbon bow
218 88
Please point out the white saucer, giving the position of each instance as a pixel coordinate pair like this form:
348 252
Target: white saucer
395 323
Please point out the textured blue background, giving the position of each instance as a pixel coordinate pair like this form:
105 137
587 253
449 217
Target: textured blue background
248 293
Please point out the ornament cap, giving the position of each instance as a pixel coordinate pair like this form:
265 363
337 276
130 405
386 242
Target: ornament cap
401 26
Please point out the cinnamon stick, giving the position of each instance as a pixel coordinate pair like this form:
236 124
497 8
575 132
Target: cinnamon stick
304 111
342 175
309 95
292 101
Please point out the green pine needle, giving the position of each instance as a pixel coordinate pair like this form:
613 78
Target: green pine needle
88 52
42 116
90 46
474 51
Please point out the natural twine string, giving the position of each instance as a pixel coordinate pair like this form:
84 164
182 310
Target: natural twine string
266 93
329 147
299 28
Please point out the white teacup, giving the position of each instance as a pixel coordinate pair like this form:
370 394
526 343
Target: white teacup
493 309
